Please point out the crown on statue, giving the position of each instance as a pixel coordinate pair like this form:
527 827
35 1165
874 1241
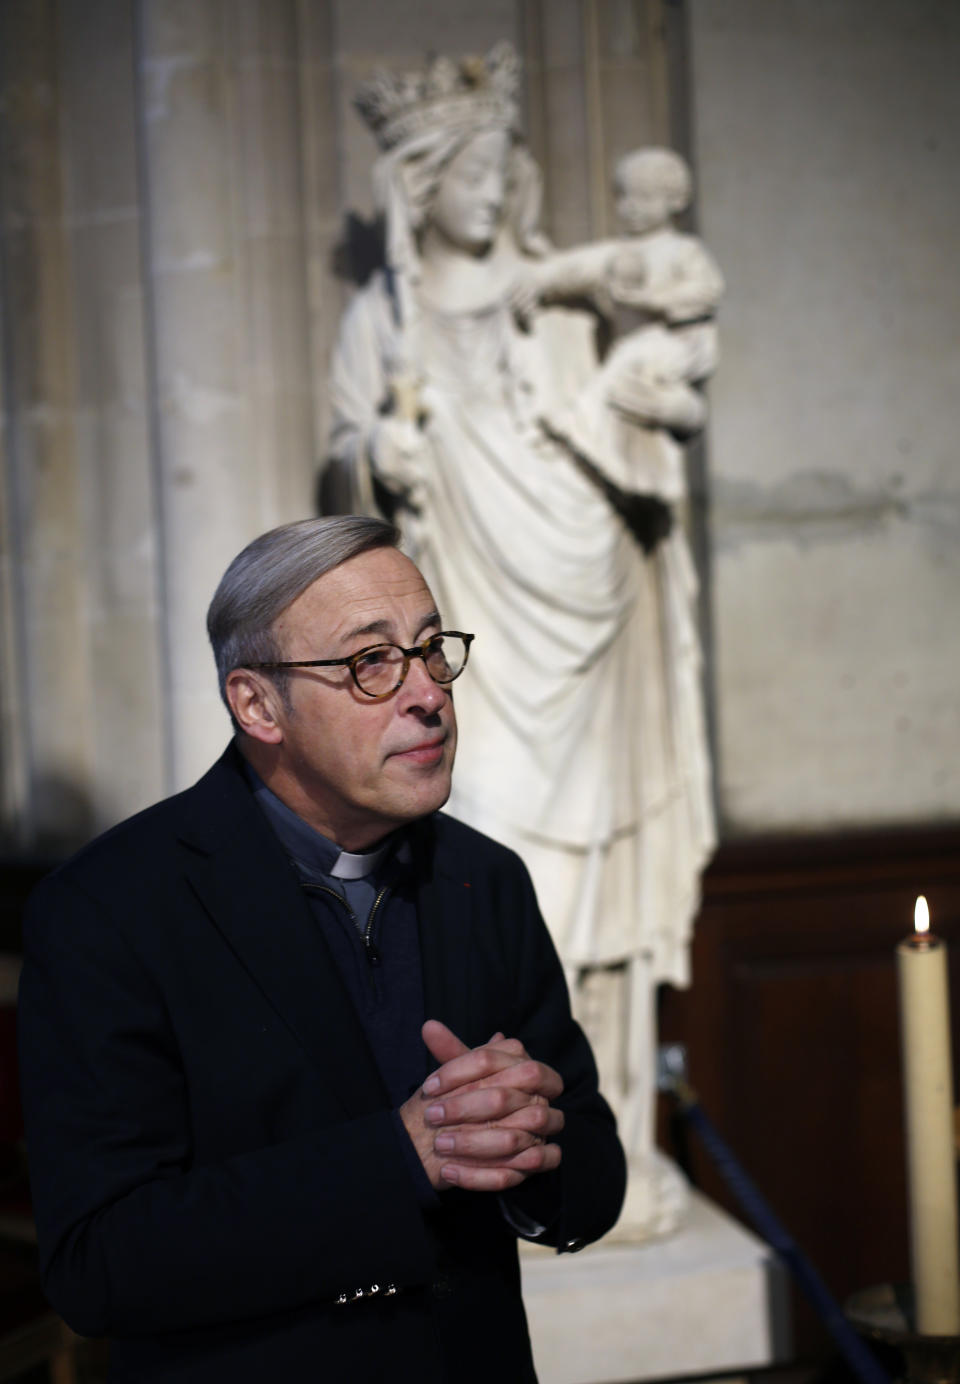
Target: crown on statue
449 95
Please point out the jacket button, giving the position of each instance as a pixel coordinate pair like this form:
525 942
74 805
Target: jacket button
572 1245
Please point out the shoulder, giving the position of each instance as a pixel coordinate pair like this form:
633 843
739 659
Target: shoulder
455 841
141 849
370 306
367 333
496 876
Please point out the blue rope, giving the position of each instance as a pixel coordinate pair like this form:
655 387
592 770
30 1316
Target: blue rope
857 1355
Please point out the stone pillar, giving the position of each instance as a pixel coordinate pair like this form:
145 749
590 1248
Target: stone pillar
231 362
110 407
45 704
79 605
323 209
157 384
596 82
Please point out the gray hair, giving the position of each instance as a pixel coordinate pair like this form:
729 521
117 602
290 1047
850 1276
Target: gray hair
270 574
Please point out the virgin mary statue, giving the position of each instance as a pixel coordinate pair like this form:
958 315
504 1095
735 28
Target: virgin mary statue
582 742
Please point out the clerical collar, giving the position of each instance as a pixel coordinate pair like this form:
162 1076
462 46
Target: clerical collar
350 866
310 849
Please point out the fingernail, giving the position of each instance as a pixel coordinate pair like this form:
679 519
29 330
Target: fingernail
444 1143
431 1085
434 1114
450 1174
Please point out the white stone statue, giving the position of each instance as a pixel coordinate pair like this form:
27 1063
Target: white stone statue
471 405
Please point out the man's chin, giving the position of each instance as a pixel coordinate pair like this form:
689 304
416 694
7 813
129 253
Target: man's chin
433 795
437 794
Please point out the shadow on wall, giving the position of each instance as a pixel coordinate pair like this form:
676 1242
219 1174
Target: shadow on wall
354 260
359 252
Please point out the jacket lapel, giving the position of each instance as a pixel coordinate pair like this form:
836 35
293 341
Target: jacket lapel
238 871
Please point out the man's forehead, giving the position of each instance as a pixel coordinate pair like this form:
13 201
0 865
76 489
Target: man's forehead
380 589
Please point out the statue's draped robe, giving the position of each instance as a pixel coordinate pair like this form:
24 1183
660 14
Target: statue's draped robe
582 743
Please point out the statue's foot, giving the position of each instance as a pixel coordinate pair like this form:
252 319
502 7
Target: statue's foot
658 1196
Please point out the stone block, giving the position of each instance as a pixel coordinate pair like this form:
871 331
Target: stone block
710 1300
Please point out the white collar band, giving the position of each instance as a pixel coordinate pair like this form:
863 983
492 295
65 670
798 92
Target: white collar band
350 866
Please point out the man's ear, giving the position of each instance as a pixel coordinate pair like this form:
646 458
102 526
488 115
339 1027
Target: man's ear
255 704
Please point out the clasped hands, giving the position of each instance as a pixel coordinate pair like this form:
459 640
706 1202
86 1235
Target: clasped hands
483 1120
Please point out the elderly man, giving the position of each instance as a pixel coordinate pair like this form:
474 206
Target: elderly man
298 1061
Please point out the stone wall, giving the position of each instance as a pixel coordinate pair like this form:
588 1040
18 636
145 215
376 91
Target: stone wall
829 182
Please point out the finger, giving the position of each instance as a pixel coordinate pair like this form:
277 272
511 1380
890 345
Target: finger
469 1067
536 1158
480 1105
544 1120
442 1042
481 1179
483 1143
498 1177
513 1046
539 1158
525 1075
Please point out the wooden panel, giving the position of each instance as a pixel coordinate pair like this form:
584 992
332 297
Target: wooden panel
793 1037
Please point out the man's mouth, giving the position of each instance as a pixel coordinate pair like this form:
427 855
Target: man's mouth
426 752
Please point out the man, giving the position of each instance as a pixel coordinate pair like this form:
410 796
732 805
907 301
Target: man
241 1168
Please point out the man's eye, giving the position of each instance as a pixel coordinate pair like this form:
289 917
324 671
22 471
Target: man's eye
373 658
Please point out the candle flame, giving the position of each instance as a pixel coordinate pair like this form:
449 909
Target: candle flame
921 915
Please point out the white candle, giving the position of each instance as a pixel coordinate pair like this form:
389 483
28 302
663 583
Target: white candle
928 1103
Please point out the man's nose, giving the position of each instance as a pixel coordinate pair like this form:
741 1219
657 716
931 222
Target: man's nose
420 690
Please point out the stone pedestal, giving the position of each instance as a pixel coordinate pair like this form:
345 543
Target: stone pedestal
712 1299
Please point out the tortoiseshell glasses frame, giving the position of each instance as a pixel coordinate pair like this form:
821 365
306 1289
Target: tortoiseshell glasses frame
377 663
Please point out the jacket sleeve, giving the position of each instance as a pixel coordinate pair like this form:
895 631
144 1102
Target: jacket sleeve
582 1199
134 1234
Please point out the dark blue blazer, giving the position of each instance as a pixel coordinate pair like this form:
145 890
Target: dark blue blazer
213 1156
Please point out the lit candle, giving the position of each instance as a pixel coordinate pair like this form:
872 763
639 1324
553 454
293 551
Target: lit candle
928 1101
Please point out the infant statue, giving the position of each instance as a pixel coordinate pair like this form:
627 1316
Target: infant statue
659 289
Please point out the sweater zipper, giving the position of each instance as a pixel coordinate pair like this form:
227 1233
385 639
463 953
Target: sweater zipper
370 947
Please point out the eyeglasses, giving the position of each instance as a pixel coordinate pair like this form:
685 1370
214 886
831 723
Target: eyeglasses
380 669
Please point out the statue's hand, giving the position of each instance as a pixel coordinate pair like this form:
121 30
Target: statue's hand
398 453
658 402
523 293
648 375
